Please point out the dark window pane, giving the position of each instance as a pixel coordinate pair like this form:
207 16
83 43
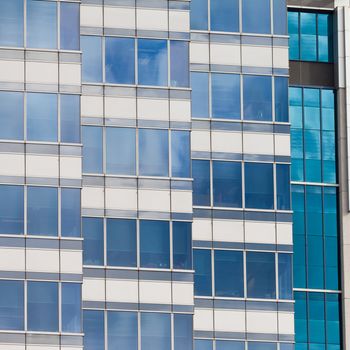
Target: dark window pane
70 212
92 150
94 330
280 17
224 15
201 182
11 114
200 95
93 241
253 9
71 307
180 154
70 118
229 345
155 331
11 23
199 14
183 332
283 186
182 245
285 276
91 46
179 63
281 99
202 268
69 26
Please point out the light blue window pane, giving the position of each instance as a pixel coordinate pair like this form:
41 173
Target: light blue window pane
71 307
333 318
70 212
281 99
42 212
152 62
93 241
308 36
202 275
261 279
179 64
154 244
229 345
300 317
200 95
312 144
331 245
155 331
287 346
41 24
261 346
92 150
11 305
297 150
121 151
94 330
41 117
122 330
180 154
295 107
285 277
70 118
11 114
314 210
224 15
183 332
42 306
312 109
283 186
253 9
316 317
328 113
330 212
91 46
299 267
120 60
226 100
325 45
315 262
182 245
11 210
121 242
259 185
153 152
199 14
11 23
257 97
69 26
293 31
227 184
201 182
328 157
228 266
280 17
200 344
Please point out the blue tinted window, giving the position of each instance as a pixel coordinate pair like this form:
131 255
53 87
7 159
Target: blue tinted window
121 242
280 17
120 60
308 36
69 26
12 210
94 330
93 241
333 318
224 15
281 99
70 118
91 46
153 152
11 23
283 186
328 102
300 317
183 334
324 30
180 154
199 14
92 150
122 330
311 109
226 100
11 114
316 319
41 117
154 244
11 305
229 345
200 95
182 245
202 276
253 9
201 182
179 63
42 212
228 273
258 185
71 307
155 331
121 151
200 344
70 212
261 280
42 306
261 346
285 276
41 24
152 62
293 31
295 107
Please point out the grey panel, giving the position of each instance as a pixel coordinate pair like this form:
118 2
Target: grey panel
16 180
91 30
93 180
204 303
152 34
180 125
155 307
76 340
152 3
155 275
229 304
181 185
120 31
122 306
120 122
42 339
261 336
182 276
179 5
225 38
122 274
71 244
149 92
43 276
12 338
201 244
12 275
93 304
42 149
230 335
228 156
183 308
91 120
312 3
225 68
261 305
228 245
131 3
203 334
93 272
70 57
179 36
152 183
182 216
71 150
41 181
121 213
119 182
153 124
154 215
42 243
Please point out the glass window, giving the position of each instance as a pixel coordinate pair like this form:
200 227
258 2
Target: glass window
183 332
283 186
69 26
308 36
253 9
180 154
261 279
228 266
11 23
121 151
227 184
11 305
41 24
200 95
261 346
285 276
202 275
316 319
201 344
71 307
120 60
121 242
154 244
259 185
153 152
94 330
122 330
155 331
93 241
91 46
12 209
179 63
41 117
42 211
199 14
11 113
229 345
300 317
70 118
70 212
281 99
182 245
226 97
201 182
152 62
333 318
224 15
42 306
92 150
280 17
257 96
325 45
293 31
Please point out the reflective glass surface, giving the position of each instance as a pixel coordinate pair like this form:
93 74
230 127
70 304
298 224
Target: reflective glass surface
285 277
199 14
280 17
202 276
281 99
155 331
91 46
200 94
11 115
92 150
201 344
201 182
70 212
70 118
93 241
182 245
183 333
283 186
229 345
11 23
253 9
224 15
179 63
71 307
180 154
93 330
69 26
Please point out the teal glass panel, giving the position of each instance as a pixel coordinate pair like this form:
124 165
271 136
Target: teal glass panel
295 107
301 335
313 211
316 321
324 29
333 319
327 104
297 152
308 36
312 144
293 30
312 109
